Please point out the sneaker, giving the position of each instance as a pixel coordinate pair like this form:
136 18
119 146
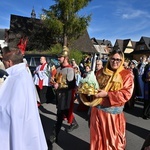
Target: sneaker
72 127
145 117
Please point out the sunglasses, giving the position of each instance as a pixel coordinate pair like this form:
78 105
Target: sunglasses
116 60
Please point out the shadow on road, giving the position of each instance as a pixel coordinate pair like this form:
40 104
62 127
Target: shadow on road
42 109
82 114
137 110
141 132
66 141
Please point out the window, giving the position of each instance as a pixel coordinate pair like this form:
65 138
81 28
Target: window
142 47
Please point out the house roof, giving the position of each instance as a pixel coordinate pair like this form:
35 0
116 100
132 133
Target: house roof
133 44
22 24
146 40
84 44
124 45
102 46
104 42
101 42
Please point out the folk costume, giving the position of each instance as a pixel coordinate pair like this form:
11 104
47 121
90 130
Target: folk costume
66 90
42 81
20 124
107 121
65 95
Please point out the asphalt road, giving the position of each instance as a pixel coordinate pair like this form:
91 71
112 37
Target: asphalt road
136 131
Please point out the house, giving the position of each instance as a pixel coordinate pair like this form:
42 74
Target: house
127 46
103 47
20 27
142 47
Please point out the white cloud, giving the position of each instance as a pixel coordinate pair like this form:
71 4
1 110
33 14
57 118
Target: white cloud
132 10
95 7
130 14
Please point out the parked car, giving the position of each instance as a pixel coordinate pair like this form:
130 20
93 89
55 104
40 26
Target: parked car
34 60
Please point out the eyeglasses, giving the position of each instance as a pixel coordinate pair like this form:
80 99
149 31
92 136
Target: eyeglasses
116 60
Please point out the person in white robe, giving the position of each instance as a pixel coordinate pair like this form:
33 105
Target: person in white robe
41 80
20 123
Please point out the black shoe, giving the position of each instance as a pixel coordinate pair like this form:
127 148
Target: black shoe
72 127
53 139
145 117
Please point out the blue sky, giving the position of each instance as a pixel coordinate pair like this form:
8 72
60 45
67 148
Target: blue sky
111 19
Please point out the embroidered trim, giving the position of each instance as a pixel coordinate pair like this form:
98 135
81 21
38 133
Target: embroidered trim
112 110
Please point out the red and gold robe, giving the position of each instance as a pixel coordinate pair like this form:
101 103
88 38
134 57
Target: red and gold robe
107 130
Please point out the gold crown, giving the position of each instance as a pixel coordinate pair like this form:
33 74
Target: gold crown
65 52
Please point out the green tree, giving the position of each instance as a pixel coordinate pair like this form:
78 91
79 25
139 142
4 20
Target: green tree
76 54
63 20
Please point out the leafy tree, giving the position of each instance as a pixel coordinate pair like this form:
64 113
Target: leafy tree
76 54
63 20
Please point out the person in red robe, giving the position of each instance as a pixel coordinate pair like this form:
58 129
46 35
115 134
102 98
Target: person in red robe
107 121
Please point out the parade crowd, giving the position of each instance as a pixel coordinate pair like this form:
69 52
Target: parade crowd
117 85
